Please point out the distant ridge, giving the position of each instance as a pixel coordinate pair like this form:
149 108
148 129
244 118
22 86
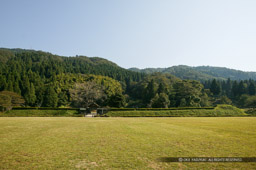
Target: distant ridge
201 73
41 62
101 66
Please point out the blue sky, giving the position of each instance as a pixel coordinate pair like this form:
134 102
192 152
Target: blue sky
136 33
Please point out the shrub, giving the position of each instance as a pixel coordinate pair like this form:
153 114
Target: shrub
251 112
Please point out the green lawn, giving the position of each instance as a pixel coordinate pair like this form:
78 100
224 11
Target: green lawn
124 143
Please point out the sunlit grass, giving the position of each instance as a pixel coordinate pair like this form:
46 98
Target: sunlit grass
97 143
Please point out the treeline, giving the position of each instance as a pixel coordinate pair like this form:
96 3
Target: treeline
55 92
164 90
47 80
44 79
240 93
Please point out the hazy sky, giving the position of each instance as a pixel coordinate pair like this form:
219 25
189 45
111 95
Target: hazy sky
136 33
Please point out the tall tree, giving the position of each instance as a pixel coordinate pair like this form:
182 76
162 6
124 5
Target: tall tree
161 88
150 91
88 94
51 97
117 100
9 99
190 91
251 88
10 86
30 95
235 89
215 87
160 101
241 88
17 88
228 88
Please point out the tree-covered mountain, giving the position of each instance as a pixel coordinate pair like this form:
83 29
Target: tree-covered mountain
201 73
222 72
45 64
44 79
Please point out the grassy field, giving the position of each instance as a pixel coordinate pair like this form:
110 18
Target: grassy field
124 143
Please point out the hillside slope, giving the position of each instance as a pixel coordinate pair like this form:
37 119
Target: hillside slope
47 64
201 73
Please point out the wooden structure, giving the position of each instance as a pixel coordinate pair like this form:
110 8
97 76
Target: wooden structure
84 111
93 111
102 111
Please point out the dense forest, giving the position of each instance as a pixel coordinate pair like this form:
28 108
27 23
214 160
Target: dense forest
42 79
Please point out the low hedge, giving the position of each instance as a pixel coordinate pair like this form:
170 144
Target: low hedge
121 109
43 108
160 109
41 113
220 110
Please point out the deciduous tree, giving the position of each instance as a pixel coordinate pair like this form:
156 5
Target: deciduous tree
9 99
87 94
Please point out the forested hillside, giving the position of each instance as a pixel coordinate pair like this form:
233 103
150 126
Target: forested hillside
44 79
41 79
222 72
201 73
47 64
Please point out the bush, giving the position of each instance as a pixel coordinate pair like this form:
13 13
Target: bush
2 109
251 112
228 110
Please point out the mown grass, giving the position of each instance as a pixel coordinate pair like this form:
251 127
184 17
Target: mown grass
124 143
